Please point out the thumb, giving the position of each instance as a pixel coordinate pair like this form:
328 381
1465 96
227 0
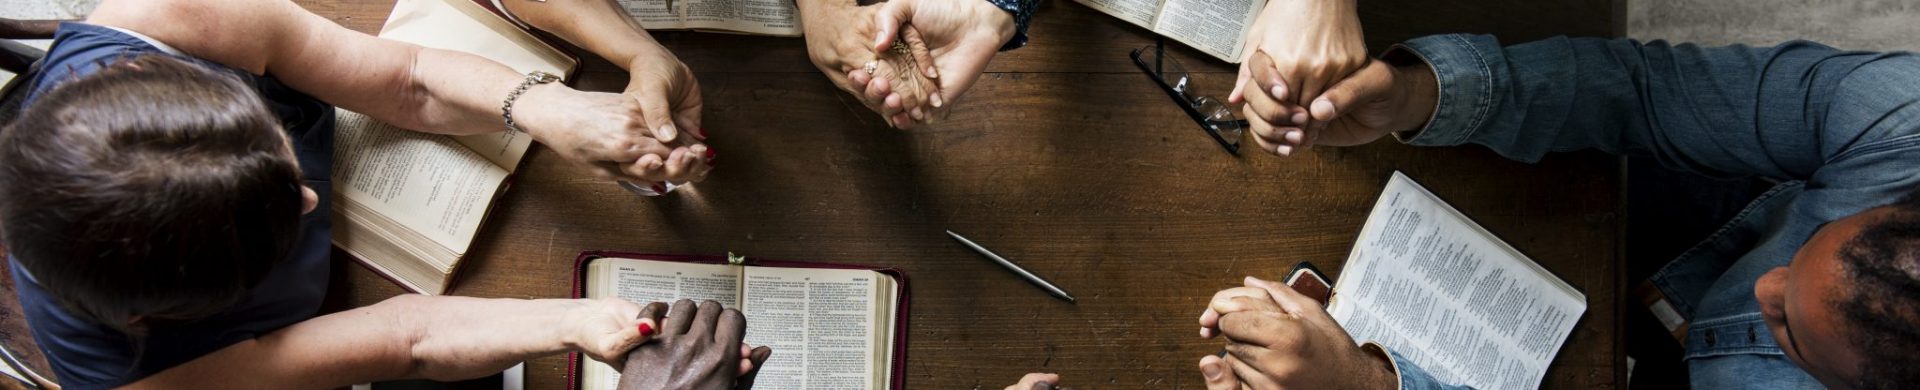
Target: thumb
658 116
887 22
1217 374
1369 83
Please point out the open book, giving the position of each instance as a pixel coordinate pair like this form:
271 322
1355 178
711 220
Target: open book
1433 286
830 326
1213 26
762 17
407 204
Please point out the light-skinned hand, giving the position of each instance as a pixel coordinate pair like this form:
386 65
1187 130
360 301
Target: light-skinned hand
1038 381
959 36
840 43
1308 46
611 134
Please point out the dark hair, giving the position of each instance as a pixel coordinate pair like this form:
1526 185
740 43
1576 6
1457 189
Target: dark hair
1883 263
155 189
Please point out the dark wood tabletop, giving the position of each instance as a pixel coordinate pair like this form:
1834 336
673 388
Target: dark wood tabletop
1065 158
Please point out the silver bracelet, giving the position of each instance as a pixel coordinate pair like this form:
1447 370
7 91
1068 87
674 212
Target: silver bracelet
533 78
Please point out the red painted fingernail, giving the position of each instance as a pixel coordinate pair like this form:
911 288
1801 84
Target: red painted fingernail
659 189
711 155
703 132
646 330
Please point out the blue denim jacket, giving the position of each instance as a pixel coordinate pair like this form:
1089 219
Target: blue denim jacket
1838 130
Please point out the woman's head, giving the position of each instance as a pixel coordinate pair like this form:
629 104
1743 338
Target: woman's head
152 190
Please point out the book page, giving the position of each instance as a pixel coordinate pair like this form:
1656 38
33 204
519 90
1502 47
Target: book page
820 323
644 281
653 14
1217 27
1139 12
1431 285
426 182
765 17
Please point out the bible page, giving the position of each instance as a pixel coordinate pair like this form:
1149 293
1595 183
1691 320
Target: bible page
645 281
764 17
1431 285
1217 27
820 323
654 14
425 182
1139 12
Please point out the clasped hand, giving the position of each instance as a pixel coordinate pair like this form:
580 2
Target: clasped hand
1280 339
648 134
699 347
907 60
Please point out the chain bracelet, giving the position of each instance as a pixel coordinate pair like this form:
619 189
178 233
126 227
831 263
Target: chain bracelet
533 78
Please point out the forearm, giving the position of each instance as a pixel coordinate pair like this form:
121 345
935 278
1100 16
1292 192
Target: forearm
1723 111
461 337
27 29
450 92
600 26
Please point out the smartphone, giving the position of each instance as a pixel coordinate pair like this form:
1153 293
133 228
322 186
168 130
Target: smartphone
1308 280
511 379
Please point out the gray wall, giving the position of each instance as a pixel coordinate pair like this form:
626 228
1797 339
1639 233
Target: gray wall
1880 25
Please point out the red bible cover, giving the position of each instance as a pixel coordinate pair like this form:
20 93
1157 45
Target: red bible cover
899 363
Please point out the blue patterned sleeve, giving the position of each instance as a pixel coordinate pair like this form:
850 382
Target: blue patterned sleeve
1022 11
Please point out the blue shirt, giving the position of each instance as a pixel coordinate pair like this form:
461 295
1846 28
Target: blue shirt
85 355
1839 131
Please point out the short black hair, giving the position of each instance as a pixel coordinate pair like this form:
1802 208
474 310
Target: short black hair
154 188
1883 263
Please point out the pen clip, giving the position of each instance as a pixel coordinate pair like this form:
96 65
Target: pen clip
734 259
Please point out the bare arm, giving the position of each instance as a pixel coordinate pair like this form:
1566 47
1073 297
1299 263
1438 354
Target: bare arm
414 336
407 85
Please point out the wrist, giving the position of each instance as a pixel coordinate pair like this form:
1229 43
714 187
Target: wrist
532 109
1419 94
573 313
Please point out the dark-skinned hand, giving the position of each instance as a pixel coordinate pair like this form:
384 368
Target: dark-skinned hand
698 348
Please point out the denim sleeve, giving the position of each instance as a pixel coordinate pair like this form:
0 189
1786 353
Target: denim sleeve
1022 11
1412 377
1797 111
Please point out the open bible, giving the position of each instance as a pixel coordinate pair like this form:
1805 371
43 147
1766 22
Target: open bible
1433 286
762 17
1216 27
407 204
831 326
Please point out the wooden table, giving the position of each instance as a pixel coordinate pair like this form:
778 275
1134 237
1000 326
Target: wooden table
1065 158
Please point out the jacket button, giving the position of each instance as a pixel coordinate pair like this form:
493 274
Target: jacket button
1710 338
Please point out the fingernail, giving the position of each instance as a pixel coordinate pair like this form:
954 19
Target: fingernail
918 115
1300 118
1212 371
711 155
646 331
1294 136
1323 107
702 133
937 101
933 73
1279 91
1284 150
659 189
664 133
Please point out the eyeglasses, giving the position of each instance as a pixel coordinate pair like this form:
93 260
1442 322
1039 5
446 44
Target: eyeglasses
1211 114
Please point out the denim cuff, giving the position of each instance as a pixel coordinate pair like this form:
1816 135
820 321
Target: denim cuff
1466 79
1022 12
1410 376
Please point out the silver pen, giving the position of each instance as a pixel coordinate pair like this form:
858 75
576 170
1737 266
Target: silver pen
1010 266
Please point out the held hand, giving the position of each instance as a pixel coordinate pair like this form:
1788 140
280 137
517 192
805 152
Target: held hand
1312 43
1278 338
699 347
1038 381
610 134
605 329
840 43
1376 100
960 36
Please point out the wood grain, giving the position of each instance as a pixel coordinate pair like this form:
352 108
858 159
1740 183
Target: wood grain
1063 158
